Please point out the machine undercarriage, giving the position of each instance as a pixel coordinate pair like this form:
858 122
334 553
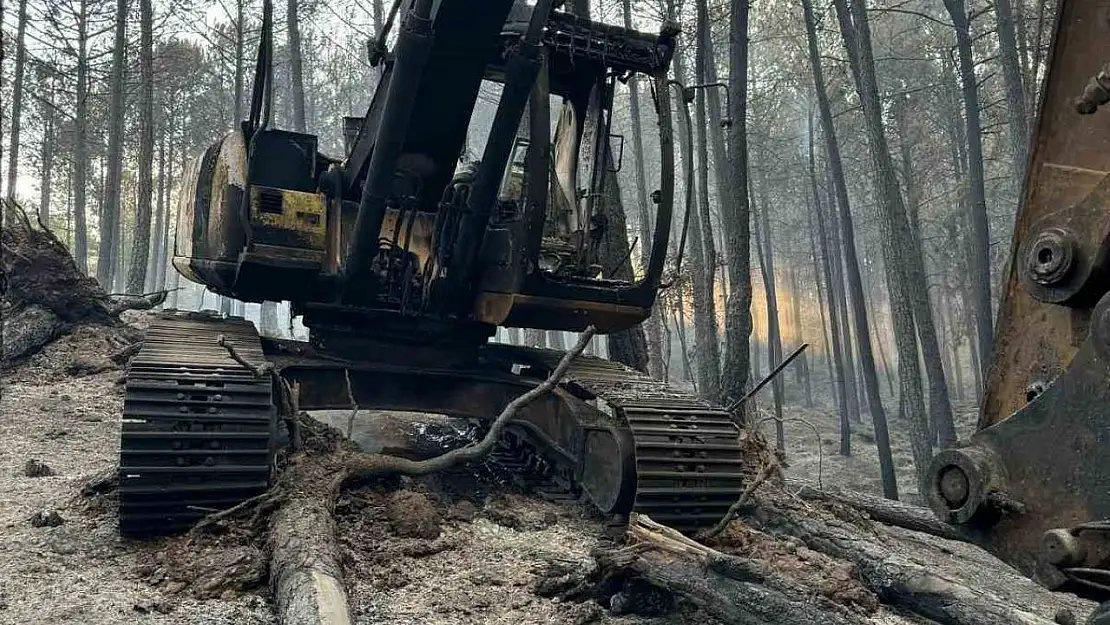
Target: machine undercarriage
200 429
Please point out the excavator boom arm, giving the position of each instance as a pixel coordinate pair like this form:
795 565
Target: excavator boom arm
1031 483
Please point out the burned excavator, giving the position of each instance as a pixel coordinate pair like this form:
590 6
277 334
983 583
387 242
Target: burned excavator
402 262
1033 483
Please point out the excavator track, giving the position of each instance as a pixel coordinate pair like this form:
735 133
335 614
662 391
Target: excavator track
688 460
198 428
199 432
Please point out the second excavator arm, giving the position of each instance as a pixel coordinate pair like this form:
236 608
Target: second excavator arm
1033 483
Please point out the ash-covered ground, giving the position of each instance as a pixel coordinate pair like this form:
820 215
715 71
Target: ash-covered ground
60 558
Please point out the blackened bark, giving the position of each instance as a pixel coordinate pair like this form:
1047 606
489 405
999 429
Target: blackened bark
840 295
627 346
706 272
164 260
818 279
896 232
802 369
855 283
295 65
110 213
17 97
155 261
1015 91
706 353
940 406
977 200
834 321
140 245
652 330
81 147
738 320
47 78
774 335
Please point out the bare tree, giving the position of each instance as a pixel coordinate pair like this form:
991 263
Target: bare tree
855 282
1015 91
801 370
47 75
140 246
110 212
738 320
653 330
80 141
977 200
17 97
295 66
856 32
766 257
837 347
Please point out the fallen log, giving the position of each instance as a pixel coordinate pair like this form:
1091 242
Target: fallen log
808 565
732 589
25 331
947 581
885 511
305 574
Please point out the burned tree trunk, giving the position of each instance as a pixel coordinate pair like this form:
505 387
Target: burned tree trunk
652 325
140 246
737 224
855 282
110 215
825 563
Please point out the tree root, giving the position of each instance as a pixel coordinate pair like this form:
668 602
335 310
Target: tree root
45 294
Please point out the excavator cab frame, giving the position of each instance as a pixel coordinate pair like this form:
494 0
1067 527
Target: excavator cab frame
394 230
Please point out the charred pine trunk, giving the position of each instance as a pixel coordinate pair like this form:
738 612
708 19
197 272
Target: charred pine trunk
838 379
979 240
295 65
80 141
1009 57
839 290
140 246
737 222
16 109
110 213
774 347
652 329
802 369
869 95
47 78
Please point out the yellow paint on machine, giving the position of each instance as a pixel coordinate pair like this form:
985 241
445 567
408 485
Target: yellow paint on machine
302 213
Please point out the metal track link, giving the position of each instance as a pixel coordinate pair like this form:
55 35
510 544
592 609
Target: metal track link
522 461
198 429
689 463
